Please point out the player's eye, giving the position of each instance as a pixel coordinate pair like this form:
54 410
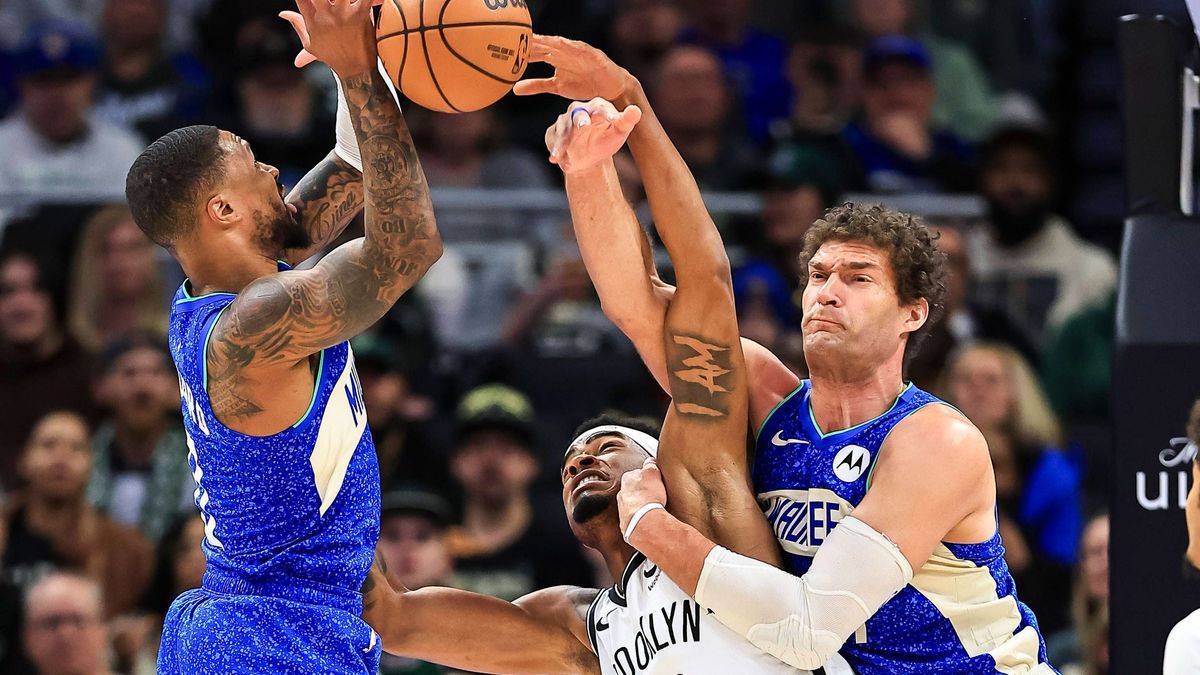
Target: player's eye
862 278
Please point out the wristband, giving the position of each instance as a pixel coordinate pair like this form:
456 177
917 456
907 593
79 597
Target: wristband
638 515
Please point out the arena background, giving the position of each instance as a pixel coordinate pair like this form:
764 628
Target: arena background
1083 274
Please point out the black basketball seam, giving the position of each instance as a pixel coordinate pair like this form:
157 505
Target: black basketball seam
465 24
429 63
477 68
404 53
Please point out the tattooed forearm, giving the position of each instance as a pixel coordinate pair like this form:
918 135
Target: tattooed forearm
282 318
376 583
327 199
697 366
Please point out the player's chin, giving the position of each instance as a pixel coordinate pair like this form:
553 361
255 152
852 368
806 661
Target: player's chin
591 504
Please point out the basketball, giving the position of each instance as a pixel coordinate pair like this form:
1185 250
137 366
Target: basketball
454 55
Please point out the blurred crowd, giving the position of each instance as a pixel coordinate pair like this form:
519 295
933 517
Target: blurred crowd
475 380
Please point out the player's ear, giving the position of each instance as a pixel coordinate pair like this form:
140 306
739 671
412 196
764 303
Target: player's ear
916 314
220 210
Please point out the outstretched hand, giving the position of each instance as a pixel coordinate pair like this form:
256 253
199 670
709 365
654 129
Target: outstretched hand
589 133
581 72
338 32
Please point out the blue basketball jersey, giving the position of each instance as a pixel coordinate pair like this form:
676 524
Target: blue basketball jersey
293 515
959 614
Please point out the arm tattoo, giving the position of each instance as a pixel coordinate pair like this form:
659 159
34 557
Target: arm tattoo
327 198
282 318
697 366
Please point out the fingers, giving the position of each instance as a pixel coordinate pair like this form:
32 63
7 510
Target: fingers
303 58
627 119
546 85
562 131
306 7
543 47
298 25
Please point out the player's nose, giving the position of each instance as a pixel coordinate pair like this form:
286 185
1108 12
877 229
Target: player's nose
579 463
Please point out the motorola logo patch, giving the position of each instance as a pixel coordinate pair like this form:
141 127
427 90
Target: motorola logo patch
851 463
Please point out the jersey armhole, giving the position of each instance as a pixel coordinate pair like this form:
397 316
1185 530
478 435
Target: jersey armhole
779 405
208 331
590 619
883 441
318 379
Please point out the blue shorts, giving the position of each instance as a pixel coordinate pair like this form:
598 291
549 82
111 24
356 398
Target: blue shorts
212 633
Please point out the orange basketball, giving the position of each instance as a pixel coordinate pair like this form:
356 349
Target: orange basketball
454 55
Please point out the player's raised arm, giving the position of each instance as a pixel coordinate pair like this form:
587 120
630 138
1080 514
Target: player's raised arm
631 294
543 632
286 317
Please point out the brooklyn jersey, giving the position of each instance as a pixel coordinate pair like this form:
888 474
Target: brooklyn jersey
960 612
648 625
293 515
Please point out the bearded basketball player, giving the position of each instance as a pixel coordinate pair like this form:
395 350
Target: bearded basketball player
881 497
286 475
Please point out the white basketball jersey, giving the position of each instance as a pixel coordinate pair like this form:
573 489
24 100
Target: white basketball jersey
646 625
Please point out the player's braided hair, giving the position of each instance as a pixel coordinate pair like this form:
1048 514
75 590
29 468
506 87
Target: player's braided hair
168 178
918 265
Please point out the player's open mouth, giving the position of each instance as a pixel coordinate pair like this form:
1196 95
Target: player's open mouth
588 479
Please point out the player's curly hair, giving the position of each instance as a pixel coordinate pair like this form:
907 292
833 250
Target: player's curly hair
918 265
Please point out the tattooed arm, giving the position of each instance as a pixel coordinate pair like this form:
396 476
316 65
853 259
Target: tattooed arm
703 443
326 199
278 321
543 632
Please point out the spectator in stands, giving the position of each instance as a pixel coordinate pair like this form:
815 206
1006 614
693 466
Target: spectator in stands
412 540
964 104
117 288
52 526
798 187
140 474
1026 258
562 316
408 444
505 546
754 61
277 108
12 656
897 143
180 567
55 151
964 321
64 626
1082 649
1003 36
692 98
825 70
467 150
142 85
41 367
642 32
1077 368
1037 485
1182 655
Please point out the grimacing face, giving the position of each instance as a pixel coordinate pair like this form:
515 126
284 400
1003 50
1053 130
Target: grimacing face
254 187
851 311
591 475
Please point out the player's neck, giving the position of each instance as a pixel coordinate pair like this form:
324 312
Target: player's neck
224 271
842 402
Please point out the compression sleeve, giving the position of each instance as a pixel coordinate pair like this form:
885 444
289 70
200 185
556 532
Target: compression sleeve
802 621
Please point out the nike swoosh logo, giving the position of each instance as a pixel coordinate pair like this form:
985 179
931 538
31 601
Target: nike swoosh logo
602 624
780 442
372 645
650 571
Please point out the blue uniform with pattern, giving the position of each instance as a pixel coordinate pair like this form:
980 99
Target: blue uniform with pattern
959 614
290 524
